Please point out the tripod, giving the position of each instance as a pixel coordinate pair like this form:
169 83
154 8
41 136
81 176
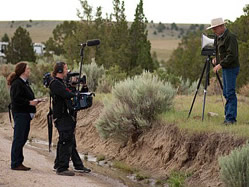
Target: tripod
207 68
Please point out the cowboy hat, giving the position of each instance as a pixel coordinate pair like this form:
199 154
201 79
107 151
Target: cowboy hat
216 22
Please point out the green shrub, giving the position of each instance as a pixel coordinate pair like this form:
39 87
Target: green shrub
5 95
112 76
135 104
183 88
235 167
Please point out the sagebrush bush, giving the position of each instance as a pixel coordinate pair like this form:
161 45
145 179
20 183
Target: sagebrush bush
214 87
6 69
104 85
112 76
134 106
235 167
5 95
244 90
36 76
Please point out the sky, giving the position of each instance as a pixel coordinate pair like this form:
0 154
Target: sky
165 11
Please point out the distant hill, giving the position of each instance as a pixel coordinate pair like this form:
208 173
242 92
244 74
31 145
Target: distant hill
39 31
164 37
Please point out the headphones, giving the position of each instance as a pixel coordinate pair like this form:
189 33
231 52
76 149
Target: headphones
60 67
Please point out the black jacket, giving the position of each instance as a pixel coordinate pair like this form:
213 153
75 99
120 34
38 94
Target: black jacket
21 94
228 54
61 95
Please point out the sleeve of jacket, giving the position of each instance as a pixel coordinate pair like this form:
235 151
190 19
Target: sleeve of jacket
231 52
16 93
58 88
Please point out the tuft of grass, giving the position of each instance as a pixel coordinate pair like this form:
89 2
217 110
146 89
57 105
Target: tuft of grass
141 177
86 157
177 178
100 158
124 167
179 115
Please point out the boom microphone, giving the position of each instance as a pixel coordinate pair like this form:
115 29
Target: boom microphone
72 74
91 43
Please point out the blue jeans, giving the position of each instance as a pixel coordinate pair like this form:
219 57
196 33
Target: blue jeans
21 132
229 92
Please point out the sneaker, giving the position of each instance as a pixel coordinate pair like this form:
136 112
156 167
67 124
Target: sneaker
55 168
82 170
65 173
21 167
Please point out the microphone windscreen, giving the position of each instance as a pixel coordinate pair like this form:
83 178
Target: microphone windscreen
72 74
93 42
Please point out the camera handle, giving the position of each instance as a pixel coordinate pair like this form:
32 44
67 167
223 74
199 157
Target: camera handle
81 62
207 69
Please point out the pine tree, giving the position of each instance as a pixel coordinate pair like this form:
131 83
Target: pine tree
120 36
60 34
20 47
140 57
5 38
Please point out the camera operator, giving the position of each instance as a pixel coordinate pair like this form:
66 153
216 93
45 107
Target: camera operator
65 123
227 59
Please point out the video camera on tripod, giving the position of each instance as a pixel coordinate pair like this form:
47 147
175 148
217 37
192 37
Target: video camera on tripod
208 48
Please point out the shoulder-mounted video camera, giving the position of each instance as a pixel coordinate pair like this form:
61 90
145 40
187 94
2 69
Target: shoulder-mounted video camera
82 99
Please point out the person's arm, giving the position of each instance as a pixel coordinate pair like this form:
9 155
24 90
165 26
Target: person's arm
58 88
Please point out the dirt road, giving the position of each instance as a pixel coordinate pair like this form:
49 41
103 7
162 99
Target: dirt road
41 173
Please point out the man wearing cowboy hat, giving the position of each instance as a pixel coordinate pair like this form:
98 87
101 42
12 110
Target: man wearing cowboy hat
227 59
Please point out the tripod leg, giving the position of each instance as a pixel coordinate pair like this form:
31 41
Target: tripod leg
198 86
205 88
218 77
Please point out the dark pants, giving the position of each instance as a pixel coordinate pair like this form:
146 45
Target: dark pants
66 147
21 132
229 92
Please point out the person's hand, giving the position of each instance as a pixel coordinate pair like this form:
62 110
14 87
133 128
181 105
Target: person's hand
217 68
33 102
214 61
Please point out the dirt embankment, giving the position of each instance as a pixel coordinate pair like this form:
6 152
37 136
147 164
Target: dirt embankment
160 150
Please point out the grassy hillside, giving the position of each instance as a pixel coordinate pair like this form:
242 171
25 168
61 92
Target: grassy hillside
163 38
39 31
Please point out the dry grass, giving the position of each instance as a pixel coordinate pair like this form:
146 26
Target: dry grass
212 124
39 31
164 47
